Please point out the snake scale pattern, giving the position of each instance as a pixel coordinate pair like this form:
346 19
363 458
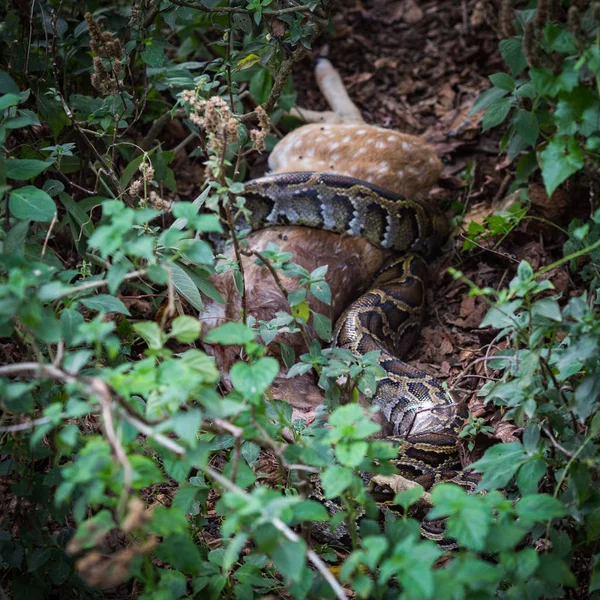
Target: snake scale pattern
420 415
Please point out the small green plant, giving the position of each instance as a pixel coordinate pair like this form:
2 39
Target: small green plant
553 109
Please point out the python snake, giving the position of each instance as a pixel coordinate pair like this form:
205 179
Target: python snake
419 414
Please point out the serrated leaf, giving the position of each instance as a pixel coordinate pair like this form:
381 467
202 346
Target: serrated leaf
253 380
512 52
185 329
503 81
559 161
496 113
499 464
335 480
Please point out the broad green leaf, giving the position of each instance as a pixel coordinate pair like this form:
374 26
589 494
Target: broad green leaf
512 52
289 559
503 81
408 497
151 332
559 161
185 329
230 333
547 308
253 380
105 303
24 168
496 113
540 507
335 480
351 454
185 286
486 99
31 203
499 464
527 127
9 100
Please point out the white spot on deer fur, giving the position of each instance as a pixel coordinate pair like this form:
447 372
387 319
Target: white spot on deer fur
406 146
334 146
336 156
346 139
319 139
310 152
361 132
371 169
400 173
392 138
380 145
297 143
360 151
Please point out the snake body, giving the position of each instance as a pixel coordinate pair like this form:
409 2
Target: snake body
418 412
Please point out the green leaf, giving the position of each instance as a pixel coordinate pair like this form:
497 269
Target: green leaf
540 507
560 161
527 127
151 332
185 329
322 326
351 454
260 85
185 286
309 510
547 308
407 498
179 551
24 168
9 100
486 99
31 203
511 50
529 475
499 464
253 380
503 81
335 480
496 113
230 333
289 559
105 303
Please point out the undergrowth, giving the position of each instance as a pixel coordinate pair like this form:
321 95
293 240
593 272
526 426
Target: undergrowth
121 453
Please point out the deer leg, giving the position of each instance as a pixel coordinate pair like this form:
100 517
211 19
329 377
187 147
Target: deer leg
332 87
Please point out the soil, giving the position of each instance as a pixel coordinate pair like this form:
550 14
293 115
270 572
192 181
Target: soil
418 68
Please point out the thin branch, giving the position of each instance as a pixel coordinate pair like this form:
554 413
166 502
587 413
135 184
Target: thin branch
232 487
555 443
92 285
241 11
25 426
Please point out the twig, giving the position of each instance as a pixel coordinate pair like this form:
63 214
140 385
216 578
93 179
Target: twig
555 443
232 487
279 283
48 233
158 126
237 433
100 390
91 285
238 10
25 426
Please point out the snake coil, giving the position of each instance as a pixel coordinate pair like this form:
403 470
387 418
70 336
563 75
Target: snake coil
420 415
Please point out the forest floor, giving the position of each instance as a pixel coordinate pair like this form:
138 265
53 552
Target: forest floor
418 68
